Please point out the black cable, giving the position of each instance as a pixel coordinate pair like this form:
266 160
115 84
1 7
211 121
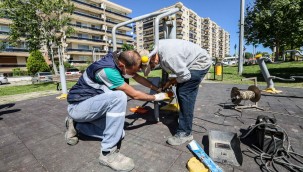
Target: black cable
279 156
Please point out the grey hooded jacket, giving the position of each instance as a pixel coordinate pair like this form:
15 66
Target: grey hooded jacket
179 56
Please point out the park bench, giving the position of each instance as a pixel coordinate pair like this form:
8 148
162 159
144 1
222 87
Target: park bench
57 81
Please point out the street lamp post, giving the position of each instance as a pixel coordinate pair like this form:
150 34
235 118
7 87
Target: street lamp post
240 65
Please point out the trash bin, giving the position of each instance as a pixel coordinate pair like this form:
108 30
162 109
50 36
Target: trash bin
218 70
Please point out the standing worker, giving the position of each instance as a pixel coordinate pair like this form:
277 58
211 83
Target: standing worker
97 104
189 62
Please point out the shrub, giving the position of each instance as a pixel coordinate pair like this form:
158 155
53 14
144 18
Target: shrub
16 72
36 63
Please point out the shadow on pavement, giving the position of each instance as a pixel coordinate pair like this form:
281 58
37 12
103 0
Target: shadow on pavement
9 105
4 108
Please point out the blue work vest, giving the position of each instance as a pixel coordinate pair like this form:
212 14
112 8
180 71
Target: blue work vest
87 86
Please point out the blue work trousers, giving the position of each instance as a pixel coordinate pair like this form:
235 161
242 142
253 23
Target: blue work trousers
102 117
187 94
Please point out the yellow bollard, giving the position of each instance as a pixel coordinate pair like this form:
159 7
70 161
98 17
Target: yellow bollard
218 69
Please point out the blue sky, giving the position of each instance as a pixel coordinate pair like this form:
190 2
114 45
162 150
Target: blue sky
226 13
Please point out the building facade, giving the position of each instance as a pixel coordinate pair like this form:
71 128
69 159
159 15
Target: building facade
92 21
11 56
190 27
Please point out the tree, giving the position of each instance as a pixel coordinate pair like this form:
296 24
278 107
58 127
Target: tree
248 55
126 47
40 22
275 23
36 63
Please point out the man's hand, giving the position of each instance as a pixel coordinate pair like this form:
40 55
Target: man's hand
169 83
161 96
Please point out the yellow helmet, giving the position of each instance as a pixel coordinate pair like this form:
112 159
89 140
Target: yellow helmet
144 60
258 56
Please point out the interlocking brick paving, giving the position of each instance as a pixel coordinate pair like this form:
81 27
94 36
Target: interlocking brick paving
32 132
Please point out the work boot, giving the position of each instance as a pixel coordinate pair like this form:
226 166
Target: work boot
117 161
71 133
179 139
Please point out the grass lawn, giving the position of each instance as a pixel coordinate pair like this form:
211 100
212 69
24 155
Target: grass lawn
283 70
230 74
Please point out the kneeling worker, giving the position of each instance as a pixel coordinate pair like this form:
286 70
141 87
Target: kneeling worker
97 103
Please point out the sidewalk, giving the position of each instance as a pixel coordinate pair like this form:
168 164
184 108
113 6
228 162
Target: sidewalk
32 133
26 96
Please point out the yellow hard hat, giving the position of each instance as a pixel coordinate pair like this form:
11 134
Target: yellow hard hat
144 60
258 56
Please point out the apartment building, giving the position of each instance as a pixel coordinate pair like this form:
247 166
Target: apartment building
11 57
92 20
190 27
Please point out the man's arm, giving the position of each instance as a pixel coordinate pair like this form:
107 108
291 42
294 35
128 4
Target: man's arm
135 94
143 81
169 83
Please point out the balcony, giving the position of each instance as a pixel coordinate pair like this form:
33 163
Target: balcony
81 50
12 65
86 27
85 50
13 49
118 14
77 61
87 4
193 24
194 18
108 21
122 34
88 39
179 19
149 34
4 33
88 15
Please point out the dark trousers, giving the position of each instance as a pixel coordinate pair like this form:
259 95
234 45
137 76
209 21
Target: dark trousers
187 94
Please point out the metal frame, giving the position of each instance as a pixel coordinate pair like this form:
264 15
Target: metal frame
169 32
269 79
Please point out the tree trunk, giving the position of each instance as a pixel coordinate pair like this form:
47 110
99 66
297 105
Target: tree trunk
277 51
53 61
292 53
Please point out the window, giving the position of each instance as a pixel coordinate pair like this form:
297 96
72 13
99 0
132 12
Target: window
83 58
4 28
96 37
84 47
82 35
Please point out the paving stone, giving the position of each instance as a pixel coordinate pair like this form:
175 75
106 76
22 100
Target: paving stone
32 132
16 156
71 158
149 156
48 146
181 162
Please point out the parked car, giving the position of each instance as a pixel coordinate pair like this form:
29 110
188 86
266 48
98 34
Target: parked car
73 71
229 61
3 79
42 77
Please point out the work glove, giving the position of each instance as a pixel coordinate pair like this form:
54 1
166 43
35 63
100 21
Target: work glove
161 96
